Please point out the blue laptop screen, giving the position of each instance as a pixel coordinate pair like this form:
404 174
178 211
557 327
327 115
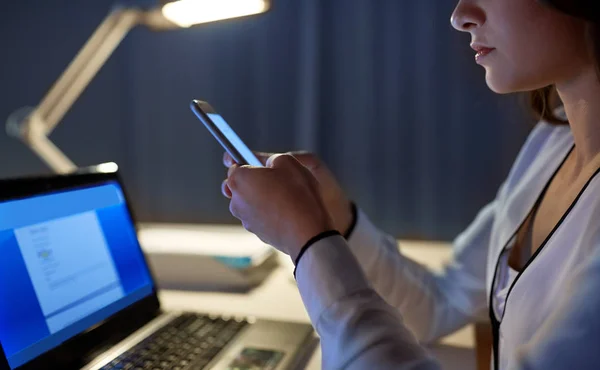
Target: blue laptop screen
70 259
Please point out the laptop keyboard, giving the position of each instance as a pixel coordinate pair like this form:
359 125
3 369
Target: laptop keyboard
189 342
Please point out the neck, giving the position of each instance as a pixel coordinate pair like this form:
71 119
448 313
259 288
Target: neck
580 97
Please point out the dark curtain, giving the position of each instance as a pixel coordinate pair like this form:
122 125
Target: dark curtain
386 92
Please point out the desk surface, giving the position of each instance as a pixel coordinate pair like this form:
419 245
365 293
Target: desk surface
278 299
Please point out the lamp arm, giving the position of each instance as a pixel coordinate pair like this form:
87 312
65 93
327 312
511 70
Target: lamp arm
40 121
34 136
78 75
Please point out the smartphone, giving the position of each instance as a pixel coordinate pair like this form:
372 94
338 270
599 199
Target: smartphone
224 134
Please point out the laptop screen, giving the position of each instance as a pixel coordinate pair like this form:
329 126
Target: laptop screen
70 259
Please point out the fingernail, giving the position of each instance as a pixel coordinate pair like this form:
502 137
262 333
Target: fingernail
270 160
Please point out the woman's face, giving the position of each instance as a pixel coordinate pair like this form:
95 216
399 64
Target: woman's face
526 45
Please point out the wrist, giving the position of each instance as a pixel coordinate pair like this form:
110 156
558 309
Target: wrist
308 230
347 233
312 241
345 216
305 238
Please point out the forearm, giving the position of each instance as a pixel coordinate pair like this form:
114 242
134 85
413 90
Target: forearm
358 329
433 305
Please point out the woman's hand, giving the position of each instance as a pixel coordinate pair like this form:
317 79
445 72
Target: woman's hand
280 203
337 203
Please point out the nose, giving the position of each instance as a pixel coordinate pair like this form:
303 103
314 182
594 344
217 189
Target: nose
467 15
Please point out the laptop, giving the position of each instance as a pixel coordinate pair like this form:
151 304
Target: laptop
76 291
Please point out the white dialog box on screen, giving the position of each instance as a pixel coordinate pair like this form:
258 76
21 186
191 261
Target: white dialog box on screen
70 266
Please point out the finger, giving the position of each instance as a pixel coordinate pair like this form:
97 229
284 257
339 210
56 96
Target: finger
247 226
230 178
291 167
240 177
286 161
247 180
307 159
237 207
233 209
225 189
227 160
232 169
272 159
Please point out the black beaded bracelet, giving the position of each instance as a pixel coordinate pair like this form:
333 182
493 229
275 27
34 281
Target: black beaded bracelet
311 242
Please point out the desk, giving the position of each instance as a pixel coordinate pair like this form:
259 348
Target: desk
278 299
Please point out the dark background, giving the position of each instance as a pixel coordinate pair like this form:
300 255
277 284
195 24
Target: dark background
386 92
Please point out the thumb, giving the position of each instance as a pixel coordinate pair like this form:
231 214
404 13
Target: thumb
308 160
271 159
263 157
228 161
286 161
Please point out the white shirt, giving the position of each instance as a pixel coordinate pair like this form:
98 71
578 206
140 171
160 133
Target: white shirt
372 306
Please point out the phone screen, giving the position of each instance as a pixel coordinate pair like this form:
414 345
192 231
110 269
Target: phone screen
235 140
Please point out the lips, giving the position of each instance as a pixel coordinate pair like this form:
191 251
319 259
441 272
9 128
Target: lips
482 51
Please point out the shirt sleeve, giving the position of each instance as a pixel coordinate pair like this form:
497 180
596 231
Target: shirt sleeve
358 329
433 305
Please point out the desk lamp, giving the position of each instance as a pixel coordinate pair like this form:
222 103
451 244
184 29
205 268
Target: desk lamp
34 125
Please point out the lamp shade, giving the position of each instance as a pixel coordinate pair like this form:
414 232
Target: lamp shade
188 13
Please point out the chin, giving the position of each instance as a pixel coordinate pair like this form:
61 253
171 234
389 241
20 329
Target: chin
507 85
501 89
496 83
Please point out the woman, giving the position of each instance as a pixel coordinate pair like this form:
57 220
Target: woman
530 260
